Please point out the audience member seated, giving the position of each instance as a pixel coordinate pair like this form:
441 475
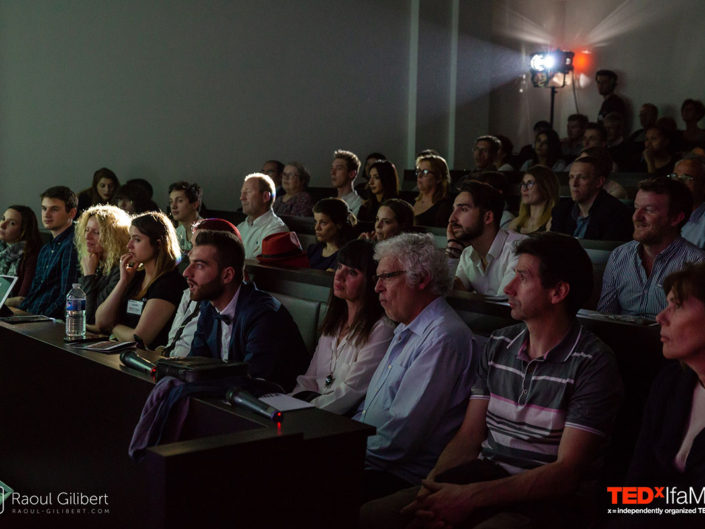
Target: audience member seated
527 151
485 152
102 233
606 81
343 171
394 216
134 199
595 136
658 159
499 181
283 249
355 335
636 270
591 213
670 449
334 227
623 153
692 111
105 183
539 195
57 263
547 151
417 395
257 197
648 114
19 247
237 322
383 185
363 176
572 144
540 412
691 171
142 305
186 318
607 166
433 205
295 200
503 160
185 201
484 253
274 169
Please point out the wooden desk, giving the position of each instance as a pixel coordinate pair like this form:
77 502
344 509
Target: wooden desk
67 418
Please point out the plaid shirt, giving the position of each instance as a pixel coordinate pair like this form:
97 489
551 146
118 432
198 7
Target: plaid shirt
57 270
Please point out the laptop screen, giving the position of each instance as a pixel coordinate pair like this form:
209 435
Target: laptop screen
6 284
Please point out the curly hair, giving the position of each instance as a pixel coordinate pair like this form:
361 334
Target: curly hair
419 257
114 226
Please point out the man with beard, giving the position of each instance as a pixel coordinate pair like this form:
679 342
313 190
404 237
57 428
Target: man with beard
486 252
238 322
636 270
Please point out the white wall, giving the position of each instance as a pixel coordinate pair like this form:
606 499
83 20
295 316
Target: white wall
655 47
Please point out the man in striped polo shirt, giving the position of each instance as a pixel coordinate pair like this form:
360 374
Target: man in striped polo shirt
541 409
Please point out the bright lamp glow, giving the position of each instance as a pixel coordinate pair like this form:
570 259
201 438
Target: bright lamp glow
544 66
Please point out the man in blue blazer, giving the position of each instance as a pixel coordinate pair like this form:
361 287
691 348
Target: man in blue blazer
238 322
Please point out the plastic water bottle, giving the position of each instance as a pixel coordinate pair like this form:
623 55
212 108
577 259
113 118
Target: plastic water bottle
76 312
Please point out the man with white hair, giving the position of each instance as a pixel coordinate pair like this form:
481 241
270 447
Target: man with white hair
417 396
257 196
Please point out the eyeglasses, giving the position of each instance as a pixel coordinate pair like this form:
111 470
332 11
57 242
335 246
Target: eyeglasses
387 275
423 172
528 185
681 177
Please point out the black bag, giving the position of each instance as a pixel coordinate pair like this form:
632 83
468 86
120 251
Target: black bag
199 369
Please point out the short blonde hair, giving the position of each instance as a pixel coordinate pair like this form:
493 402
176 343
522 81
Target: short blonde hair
114 226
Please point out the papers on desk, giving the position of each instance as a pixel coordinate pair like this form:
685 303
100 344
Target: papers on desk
283 402
108 347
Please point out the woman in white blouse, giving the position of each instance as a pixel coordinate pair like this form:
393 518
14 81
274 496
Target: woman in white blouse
354 335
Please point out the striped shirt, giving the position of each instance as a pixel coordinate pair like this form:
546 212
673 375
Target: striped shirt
57 270
625 287
576 384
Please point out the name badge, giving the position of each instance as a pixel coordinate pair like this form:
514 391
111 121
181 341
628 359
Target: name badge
135 307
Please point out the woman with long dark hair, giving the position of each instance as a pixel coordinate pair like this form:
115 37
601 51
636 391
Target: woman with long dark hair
19 247
105 184
334 226
355 335
383 185
142 305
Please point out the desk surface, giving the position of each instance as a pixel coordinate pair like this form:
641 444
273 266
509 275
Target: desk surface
68 416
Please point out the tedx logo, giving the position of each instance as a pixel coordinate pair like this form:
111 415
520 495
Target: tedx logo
635 495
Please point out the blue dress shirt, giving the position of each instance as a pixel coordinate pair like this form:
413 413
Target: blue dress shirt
418 394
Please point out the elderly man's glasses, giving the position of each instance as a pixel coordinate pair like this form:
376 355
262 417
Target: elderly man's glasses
387 275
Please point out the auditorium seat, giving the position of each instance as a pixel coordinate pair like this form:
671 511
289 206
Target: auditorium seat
306 314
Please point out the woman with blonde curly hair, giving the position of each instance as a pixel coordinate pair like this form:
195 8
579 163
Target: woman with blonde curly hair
539 195
101 235
142 305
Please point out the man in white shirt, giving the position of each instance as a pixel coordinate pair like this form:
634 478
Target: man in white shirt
257 196
343 171
483 252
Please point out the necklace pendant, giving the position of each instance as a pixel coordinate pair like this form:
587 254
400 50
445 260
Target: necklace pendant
329 380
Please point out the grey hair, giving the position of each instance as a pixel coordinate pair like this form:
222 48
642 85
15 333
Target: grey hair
418 256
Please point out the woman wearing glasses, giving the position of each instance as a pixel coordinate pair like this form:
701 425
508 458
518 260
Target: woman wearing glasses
433 205
539 195
354 335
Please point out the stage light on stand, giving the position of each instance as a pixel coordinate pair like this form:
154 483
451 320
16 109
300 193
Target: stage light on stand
550 69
